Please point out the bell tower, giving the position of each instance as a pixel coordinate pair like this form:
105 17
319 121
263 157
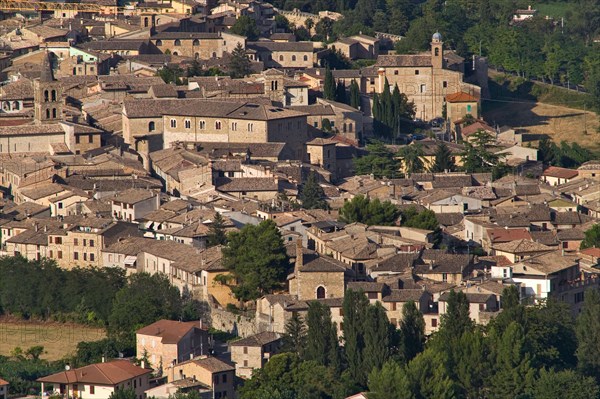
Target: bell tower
47 95
437 51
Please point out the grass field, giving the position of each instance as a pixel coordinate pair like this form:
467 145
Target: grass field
554 9
559 123
57 339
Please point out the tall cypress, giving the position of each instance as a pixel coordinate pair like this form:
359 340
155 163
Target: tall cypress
355 310
322 345
412 331
329 87
588 335
340 92
378 331
354 95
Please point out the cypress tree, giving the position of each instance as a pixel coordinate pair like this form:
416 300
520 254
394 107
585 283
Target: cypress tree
355 309
378 331
340 92
354 95
588 335
396 108
216 231
322 345
294 339
412 331
329 87
313 195
456 320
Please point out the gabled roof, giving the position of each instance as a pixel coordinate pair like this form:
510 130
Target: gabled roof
170 331
461 97
563 173
3 382
522 246
259 339
109 373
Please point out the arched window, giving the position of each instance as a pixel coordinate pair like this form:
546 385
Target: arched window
145 22
53 95
46 95
305 57
344 127
437 51
173 123
47 114
214 54
196 55
293 58
16 106
202 125
281 58
175 53
196 42
234 126
53 113
321 292
218 125
177 42
159 42
350 127
188 124
250 127
151 126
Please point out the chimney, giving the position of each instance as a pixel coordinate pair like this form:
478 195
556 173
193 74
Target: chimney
143 364
103 359
299 255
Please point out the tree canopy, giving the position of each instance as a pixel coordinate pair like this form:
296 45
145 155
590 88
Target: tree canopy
379 162
362 209
256 258
312 195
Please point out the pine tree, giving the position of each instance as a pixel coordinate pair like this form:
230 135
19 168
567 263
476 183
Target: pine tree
443 159
340 92
412 331
294 339
329 87
240 64
216 231
313 195
355 310
354 95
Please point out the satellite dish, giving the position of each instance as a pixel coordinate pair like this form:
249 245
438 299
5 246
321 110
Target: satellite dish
67 367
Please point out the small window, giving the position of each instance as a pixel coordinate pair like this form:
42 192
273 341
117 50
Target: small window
75 242
77 139
293 58
423 88
416 71
444 84
177 42
173 123
59 255
234 126
433 323
92 390
396 72
196 42
469 108
281 58
91 243
305 58
218 125
159 42
202 125
245 350
90 138
250 127
372 295
75 255
188 124
151 126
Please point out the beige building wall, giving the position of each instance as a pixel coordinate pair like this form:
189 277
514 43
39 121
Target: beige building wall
246 359
222 382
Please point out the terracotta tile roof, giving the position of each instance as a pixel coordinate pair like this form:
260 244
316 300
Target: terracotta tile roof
24 130
522 246
170 331
595 252
563 173
3 382
460 97
211 364
506 235
296 47
227 184
259 339
570 235
404 295
471 297
475 127
109 373
133 196
322 264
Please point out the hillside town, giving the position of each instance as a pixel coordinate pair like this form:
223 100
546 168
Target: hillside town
281 192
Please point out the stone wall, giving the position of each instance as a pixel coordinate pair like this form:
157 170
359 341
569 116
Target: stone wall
240 325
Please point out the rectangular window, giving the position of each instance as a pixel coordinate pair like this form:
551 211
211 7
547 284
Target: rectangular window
84 256
59 255
58 240
245 363
75 255
481 307
372 295
173 123
91 243
245 350
416 71
423 88
60 205
77 138
444 84
90 138
75 241
434 323
92 390
393 306
92 257
84 242
444 277
396 72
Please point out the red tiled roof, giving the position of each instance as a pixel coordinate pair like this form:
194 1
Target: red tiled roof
595 252
3 382
109 373
170 331
505 235
475 127
460 97
563 173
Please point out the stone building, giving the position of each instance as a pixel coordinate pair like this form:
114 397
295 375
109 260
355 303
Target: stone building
200 45
425 78
296 55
